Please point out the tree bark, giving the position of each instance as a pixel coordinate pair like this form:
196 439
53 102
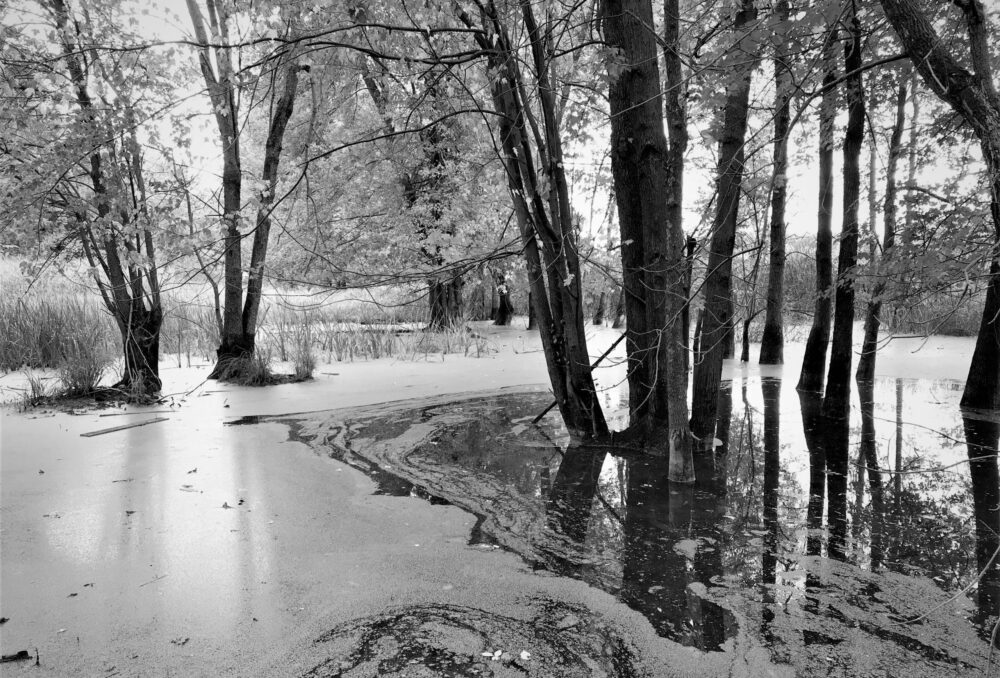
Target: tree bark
718 322
653 258
772 345
837 399
811 377
445 302
599 312
545 222
280 116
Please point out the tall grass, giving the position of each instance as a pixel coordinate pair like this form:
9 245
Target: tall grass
51 324
60 324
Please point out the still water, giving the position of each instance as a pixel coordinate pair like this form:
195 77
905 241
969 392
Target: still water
740 554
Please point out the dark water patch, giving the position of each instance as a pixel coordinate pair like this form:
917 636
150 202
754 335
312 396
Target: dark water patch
725 559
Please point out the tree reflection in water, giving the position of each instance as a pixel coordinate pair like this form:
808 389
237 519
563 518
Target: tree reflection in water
746 542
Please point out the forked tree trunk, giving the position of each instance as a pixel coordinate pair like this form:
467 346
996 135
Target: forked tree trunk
653 260
772 344
717 327
544 217
837 399
812 376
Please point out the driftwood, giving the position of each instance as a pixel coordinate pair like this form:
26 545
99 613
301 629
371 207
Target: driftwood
102 431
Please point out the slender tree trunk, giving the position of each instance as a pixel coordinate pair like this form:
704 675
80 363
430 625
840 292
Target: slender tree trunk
772 345
837 399
545 222
532 321
811 377
619 310
599 313
280 116
718 323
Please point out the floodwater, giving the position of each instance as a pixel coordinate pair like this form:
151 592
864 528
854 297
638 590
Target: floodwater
731 557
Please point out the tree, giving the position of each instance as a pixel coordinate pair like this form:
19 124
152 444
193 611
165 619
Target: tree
653 263
811 377
240 316
772 343
540 197
837 398
718 283
973 96
85 170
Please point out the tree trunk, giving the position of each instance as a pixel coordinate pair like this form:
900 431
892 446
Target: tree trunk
544 217
445 302
811 377
772 344
972 94
619 320
837 399
599 313
718 323
532 321
653 261
141 342
280 116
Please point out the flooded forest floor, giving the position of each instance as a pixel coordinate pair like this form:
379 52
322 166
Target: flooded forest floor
408 519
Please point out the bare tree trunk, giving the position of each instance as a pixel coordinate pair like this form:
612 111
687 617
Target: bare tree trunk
599 312
280 116
619 310
718 322
772 345
814 360
653 261
545 221
837 399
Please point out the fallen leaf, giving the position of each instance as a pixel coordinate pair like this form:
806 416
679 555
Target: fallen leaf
41 472
91 585
4 620
180 641
73 595
194 470
128 513
226 505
